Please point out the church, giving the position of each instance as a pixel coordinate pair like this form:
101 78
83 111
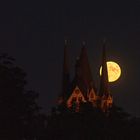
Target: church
81 89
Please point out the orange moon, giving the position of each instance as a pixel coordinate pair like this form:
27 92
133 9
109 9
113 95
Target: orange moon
114 71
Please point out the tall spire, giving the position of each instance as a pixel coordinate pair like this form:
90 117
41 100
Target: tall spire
66 59
85 67
104 74
65 82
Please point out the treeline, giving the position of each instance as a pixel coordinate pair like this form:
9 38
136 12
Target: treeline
21 119
20 116
92 124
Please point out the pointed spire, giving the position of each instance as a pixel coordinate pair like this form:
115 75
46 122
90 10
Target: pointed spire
104 74
83 76
85 67
66 59
66 79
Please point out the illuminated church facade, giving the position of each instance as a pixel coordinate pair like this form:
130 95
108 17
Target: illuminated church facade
81 89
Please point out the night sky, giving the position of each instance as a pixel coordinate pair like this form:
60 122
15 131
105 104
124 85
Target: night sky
34 33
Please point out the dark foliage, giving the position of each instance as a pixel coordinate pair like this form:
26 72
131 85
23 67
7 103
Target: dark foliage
20 118
19 113
92 124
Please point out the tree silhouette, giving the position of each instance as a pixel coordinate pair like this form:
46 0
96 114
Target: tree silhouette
20 117
18 108
90 123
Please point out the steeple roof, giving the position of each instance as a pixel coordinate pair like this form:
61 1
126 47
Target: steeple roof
85 67
83 76
66 59
104 90
66 76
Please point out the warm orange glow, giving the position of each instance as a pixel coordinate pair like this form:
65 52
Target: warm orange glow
76 97
92 95
114 71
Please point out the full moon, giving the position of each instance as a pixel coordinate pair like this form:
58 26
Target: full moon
114 71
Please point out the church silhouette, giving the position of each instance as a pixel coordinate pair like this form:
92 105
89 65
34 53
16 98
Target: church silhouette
81 89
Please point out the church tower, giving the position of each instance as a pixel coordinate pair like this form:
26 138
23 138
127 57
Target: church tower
104 96
65 75
82 89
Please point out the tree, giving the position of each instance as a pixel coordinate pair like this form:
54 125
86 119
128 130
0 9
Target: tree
91 123
18 107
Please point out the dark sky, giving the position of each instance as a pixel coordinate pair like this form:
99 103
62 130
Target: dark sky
34 33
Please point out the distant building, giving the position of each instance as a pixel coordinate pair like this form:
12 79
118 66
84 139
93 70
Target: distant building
82 88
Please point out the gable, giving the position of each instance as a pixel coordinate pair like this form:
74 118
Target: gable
75 97
92 95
